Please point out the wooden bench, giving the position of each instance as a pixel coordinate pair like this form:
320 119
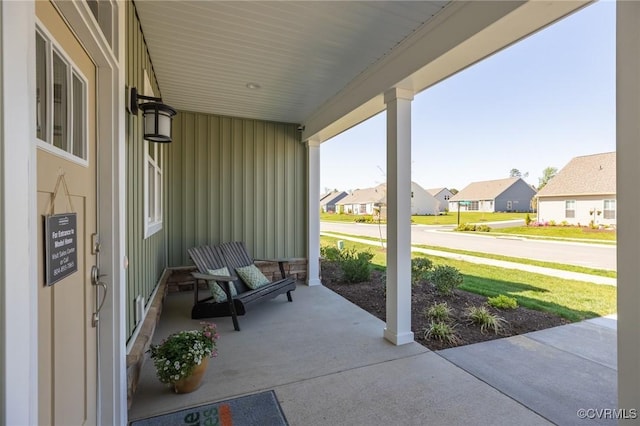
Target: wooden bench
232 255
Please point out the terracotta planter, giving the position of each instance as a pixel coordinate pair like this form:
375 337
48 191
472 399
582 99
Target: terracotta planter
192 382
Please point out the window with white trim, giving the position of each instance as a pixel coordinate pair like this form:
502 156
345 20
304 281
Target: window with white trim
61 101
609 210
153 162
570 209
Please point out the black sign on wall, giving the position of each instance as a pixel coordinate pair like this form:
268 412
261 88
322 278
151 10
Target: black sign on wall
61 251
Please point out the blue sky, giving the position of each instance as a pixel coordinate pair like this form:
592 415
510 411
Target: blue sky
538 103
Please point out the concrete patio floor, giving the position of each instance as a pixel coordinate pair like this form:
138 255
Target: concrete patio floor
328 364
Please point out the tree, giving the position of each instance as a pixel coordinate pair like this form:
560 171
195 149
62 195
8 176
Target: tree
516 173
547 174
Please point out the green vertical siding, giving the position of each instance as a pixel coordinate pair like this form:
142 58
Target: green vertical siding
235 179
146 256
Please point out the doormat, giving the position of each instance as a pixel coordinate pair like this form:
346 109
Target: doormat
259 409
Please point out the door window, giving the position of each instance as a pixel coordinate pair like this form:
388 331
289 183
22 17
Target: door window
61 102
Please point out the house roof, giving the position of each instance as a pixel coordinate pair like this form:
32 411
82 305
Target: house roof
484 190
586 175
377 194
436 191
323 65
332 197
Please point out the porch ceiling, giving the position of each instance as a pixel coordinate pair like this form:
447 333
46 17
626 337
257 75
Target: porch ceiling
322 64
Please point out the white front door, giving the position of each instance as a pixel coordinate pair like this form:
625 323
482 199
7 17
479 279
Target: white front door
66 167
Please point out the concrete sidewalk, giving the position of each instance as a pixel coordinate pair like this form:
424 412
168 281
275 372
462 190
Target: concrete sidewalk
564 374
500 263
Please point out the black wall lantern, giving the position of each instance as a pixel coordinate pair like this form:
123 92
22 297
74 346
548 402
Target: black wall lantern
158 117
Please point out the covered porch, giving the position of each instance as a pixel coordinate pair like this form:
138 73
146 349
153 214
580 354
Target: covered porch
328 364
259 86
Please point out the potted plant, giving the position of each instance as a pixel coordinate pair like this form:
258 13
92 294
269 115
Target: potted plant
182 358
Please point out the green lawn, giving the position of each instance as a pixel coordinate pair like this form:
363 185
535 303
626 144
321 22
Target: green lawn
564 232
450 218
574 300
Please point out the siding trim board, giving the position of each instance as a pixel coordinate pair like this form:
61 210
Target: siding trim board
147 258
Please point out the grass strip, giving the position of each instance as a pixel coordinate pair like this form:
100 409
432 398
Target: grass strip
571 233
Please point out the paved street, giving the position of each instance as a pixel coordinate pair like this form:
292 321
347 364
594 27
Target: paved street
598 256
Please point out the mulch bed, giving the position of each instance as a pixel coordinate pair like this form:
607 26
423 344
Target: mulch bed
370 296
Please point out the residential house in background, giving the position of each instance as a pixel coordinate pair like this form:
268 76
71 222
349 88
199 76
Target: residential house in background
501 195
362 201
366 201
442 195
328 201
583 191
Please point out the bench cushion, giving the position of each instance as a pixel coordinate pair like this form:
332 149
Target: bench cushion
252 276
217 292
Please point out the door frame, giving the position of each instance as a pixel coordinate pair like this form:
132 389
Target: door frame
18 186
112 403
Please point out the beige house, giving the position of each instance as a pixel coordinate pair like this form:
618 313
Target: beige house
370 200
257 87
584 191
362 201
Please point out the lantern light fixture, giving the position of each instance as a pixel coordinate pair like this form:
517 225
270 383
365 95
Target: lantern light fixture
158 117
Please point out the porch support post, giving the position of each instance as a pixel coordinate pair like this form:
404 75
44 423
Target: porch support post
313 214
398 329
18 218
628 198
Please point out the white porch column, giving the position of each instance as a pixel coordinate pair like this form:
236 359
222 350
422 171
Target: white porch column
313 213
18 219
628 198
398 329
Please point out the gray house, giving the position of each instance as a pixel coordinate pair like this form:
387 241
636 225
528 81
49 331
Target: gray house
501 195
328 201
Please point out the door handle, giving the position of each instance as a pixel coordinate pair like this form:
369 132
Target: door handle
95 280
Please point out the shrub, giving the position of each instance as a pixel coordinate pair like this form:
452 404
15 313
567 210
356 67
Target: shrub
527 219
330 253
365 219
439 312
502 302
420 267
356 266
552 223
466 227
445 278
479 315
471 227
442 331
